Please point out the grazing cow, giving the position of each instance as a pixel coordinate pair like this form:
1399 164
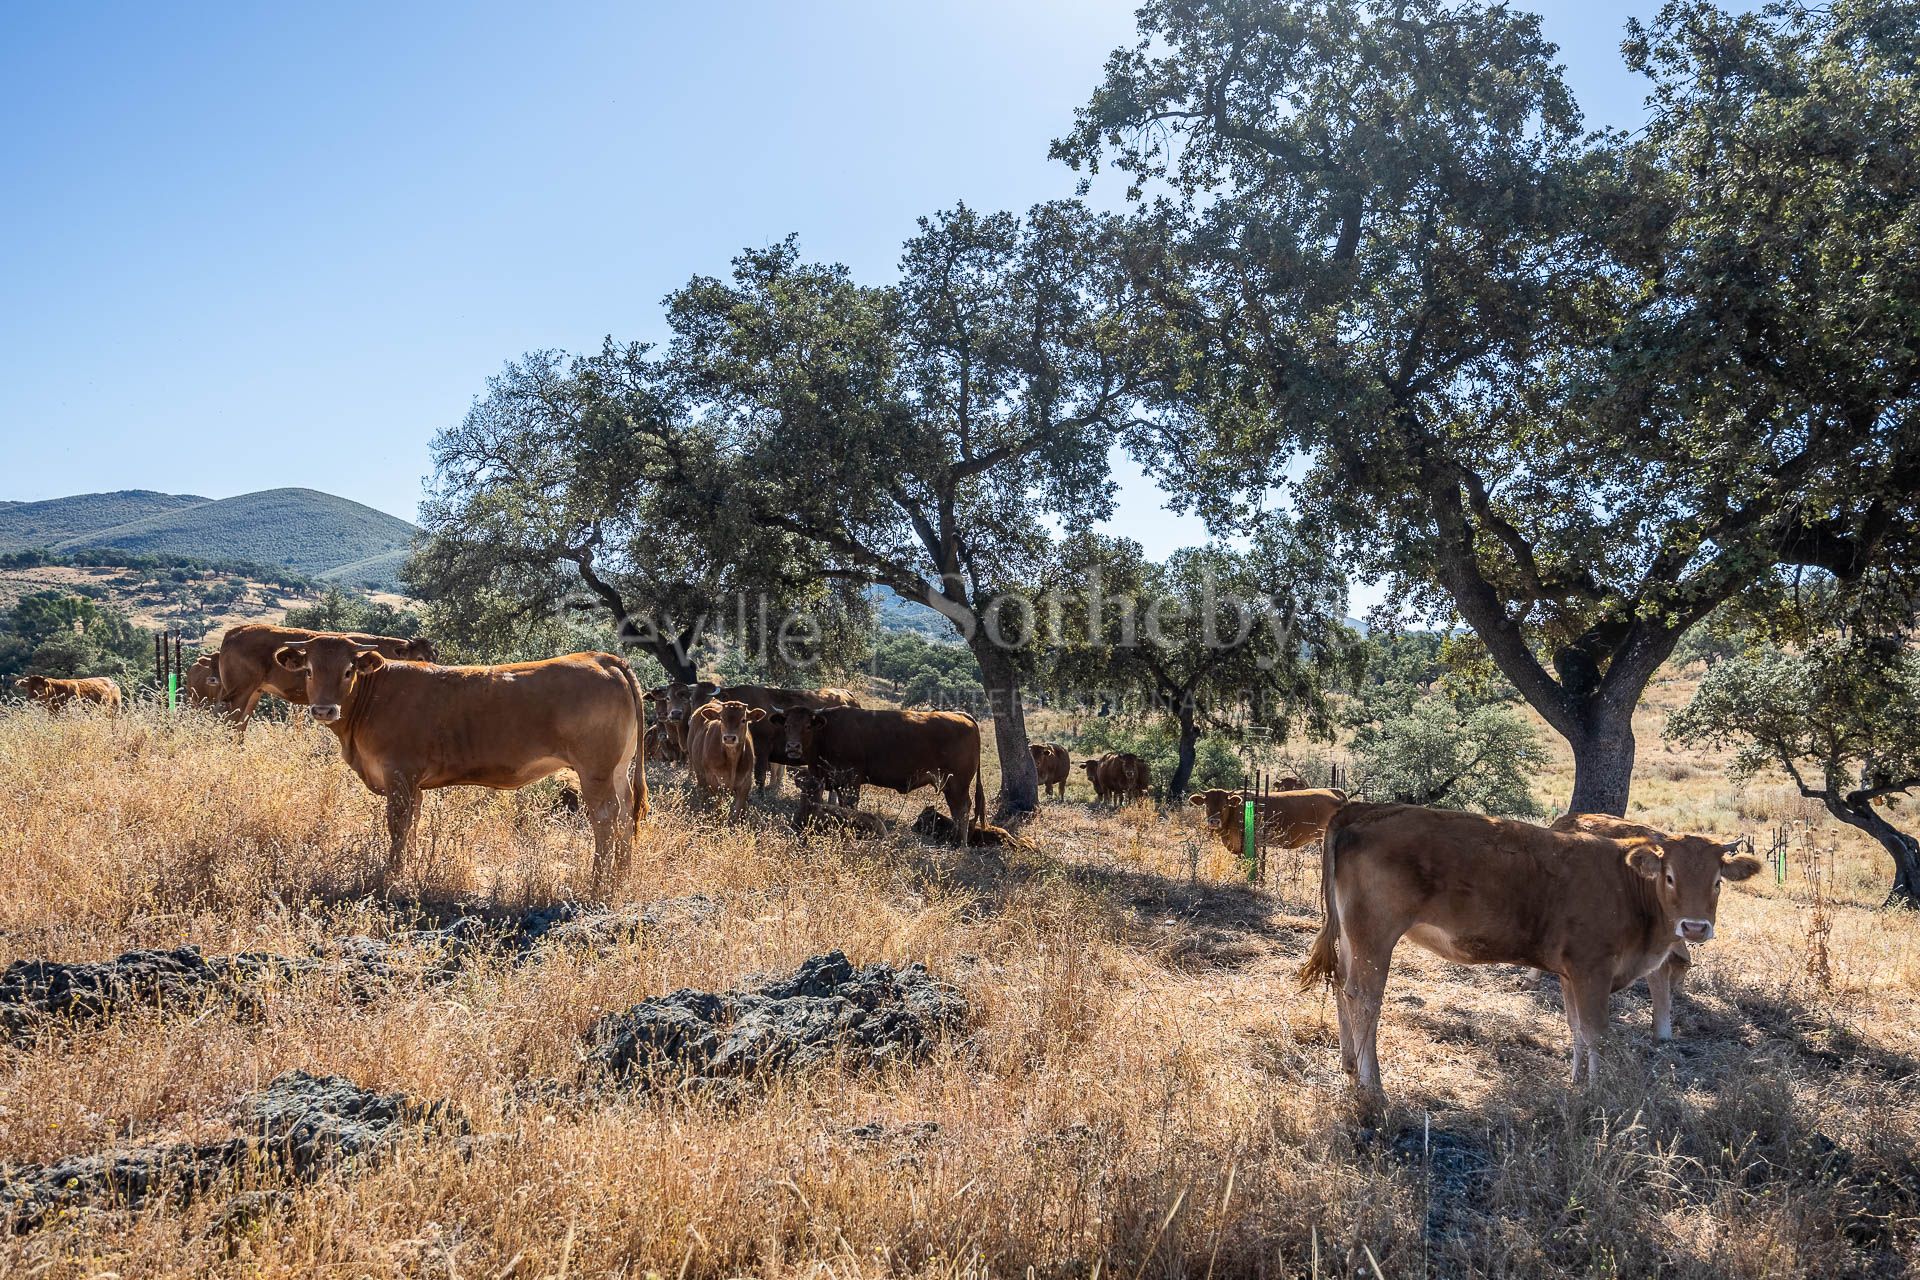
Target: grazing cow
1598 912
899 750
407 727
1663 982
203 681
769 738
1289 819
720 748
1054 764
54 693
246 669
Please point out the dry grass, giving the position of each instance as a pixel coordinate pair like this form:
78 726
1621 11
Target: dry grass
1140 1089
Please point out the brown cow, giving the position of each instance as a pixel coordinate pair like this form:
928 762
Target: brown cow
54 693
1664 982
407 727
679 701
720 748
203 681
246 669
815 813
1054 764
659 745
900 750
1598 912
1118 777
1289 819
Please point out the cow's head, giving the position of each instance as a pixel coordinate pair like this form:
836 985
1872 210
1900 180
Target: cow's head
1218 803
332 666
31 686
800 729
683 698
1686 873
419 649
1289 783
730 720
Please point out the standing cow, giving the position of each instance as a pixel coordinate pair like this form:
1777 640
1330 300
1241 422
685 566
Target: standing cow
409 727
203 681
720 751
1598 912
1289 819
54 693
1118 777
1054 766
899 750
769 740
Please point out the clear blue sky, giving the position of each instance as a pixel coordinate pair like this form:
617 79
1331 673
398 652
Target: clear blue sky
284 244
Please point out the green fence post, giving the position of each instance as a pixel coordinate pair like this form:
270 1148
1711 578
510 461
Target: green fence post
1253 864
173 690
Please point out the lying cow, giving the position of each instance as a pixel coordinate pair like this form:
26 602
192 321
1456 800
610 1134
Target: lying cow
899 750
1598 912
815 813
1663 982
1054 765
1287 819
408 727
935 825
660 747
246 670
53 693
720 749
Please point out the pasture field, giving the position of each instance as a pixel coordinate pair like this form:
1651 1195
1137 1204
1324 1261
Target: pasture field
1139 1089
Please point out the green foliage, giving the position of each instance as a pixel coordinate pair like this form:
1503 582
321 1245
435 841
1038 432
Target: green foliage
928 674
1217 762
52 633
26 526
338 611
1578 389
1434 753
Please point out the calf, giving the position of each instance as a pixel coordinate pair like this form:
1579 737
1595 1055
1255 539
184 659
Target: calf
203 681
680 700
720 748
246 670
1054 765
1118 777
1598 912
54 693
408 727
1289 819
899 750
769 736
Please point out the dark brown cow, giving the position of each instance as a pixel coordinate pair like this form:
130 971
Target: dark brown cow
1289 819
1596 911
53 693
720 748
680 700
899 750
203 681
247 671
408 727
1118 777
1054 764
1664 982
817 814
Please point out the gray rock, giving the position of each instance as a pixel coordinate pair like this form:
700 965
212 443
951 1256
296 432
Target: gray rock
299 1125
826 1009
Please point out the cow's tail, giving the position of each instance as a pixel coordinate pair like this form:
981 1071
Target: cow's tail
1323 961
979 800
638 769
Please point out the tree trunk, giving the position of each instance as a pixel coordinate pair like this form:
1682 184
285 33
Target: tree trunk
1019 780
1183 763
1603 761
1902 848
668 655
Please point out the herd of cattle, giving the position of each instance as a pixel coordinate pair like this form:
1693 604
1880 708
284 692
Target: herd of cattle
1596 900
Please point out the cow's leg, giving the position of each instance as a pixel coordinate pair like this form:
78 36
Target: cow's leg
1663 984
1587 1005
959 797
403 809
1365 986
241 710
606 799
1349 1060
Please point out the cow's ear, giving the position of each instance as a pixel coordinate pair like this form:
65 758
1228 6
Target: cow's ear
756 715
707 688
815 719
1198 797
368 660
290 657
1647 860
1738 866
778 717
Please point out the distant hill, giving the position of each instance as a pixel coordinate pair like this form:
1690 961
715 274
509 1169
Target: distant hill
25 526
313 534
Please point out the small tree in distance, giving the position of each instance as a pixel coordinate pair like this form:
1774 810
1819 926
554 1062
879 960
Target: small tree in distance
1841 714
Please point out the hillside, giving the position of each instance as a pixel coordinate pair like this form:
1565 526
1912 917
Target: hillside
310 533
27 525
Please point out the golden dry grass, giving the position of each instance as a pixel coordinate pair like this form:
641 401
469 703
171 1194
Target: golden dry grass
1140 1090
